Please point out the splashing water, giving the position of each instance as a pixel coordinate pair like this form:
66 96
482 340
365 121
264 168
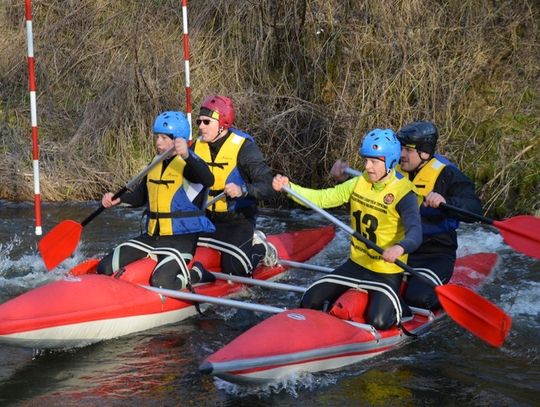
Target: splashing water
292 385
435 366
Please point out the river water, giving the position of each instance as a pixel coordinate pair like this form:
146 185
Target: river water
445 367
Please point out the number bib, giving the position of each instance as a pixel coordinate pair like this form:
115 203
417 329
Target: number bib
374 216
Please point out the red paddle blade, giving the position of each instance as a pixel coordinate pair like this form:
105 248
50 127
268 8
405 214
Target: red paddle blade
474 313
59 243
521 233
87 267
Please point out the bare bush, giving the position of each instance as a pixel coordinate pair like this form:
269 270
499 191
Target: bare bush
309 78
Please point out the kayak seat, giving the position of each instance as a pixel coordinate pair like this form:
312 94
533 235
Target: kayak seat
351 305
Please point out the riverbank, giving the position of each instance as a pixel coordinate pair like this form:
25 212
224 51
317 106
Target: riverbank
308 79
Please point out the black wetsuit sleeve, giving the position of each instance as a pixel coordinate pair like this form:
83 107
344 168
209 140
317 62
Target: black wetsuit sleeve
197 171
409 212
458 190
255 172
138 196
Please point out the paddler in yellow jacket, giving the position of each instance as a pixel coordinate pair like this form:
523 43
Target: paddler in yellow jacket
437 181
242 174
175 193
384 208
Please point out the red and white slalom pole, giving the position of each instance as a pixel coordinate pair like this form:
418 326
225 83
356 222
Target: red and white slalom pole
33 115
186 64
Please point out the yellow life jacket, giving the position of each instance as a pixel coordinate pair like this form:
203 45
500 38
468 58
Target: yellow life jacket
425 179
433 223
374 216
170 210
224 168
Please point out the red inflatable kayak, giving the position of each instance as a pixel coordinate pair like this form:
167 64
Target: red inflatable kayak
303 340
88 308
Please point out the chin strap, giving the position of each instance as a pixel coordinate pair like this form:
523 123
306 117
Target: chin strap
420 164
385 175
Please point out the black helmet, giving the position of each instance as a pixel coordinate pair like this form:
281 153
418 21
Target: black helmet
420 135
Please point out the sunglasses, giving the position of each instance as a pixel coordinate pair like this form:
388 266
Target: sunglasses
206 122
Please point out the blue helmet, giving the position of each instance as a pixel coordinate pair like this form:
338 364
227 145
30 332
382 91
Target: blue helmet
382 144
173 124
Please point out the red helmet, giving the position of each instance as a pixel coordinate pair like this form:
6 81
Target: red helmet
220 108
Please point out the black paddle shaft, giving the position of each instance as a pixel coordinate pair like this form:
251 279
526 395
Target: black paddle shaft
101 208
130 185
467 213
356 173
380 250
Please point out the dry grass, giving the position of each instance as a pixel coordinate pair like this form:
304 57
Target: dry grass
309 78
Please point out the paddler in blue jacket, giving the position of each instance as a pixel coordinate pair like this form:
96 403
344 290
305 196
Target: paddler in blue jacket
242 174
437 181
384 208
175 193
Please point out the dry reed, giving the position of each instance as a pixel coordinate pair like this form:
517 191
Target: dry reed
309 78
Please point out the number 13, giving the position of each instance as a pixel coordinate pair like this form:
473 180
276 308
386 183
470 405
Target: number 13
366 225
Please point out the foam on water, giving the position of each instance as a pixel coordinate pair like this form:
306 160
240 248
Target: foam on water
291 385
20 274
17 272
476 239
526 301
430 366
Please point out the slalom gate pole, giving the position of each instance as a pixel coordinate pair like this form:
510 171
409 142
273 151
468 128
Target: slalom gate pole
186 65
33 115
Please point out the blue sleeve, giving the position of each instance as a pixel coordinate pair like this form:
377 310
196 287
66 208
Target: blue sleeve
409 212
